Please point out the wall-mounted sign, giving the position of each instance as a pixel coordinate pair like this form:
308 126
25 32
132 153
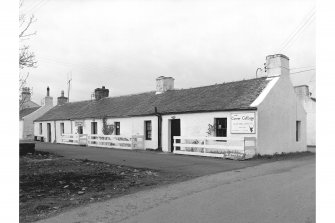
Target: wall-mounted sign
242 123
78 123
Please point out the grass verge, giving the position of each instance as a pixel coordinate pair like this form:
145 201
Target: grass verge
50 184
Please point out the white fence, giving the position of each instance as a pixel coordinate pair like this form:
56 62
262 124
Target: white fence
70 138
240 148
109 141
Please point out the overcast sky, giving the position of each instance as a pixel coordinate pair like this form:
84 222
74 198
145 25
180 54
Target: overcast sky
124 45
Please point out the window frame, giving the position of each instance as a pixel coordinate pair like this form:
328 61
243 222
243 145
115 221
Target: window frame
117 126
81 130
225 130
298 131
94 126
62 128
41 128
148 132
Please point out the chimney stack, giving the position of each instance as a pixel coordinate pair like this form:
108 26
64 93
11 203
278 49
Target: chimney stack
100 93
48 101
26 94
164 84
302 92
277 65
62 100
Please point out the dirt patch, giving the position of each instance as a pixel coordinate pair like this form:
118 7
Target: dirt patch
50 184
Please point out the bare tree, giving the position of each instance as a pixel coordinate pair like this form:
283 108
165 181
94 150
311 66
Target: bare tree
26 57
22 87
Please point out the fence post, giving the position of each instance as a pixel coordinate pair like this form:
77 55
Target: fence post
132 142
205 145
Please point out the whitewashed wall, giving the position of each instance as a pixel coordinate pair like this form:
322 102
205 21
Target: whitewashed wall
128 127
67 129
277 116
44 130
196 124
28 126
310 107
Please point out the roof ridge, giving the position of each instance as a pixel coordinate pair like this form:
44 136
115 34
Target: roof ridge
216 84
146 92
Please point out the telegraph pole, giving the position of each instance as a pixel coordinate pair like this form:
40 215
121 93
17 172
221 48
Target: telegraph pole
69 86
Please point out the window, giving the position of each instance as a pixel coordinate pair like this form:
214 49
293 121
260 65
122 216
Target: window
117 128
94 128
80 129
221 127
297 130
62 128
147 130
41 131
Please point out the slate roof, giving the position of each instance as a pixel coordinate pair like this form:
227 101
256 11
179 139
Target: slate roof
26 111
236 95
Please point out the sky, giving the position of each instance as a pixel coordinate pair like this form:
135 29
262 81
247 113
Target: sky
125 45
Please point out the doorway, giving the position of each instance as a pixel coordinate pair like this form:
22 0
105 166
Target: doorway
48 132
175 131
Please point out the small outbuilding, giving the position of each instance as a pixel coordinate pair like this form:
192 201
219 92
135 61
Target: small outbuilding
240 118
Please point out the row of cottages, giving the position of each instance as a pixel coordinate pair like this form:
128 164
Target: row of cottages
30 111
261 114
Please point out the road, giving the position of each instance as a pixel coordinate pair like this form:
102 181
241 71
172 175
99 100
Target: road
192 166
282 191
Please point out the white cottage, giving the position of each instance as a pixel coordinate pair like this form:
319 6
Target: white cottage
30 112
261 114
309 104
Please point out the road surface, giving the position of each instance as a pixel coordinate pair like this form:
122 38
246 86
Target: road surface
192 166
282 192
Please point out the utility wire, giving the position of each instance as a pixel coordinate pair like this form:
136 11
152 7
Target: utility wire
36 6
40 6
293 40
31 6
298 29
302 71
297 68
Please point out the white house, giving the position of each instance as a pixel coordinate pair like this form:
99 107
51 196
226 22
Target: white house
309 104
28 114
262 113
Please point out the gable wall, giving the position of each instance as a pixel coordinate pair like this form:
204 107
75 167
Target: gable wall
277 116
28 125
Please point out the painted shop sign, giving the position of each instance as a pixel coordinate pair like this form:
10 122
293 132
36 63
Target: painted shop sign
243 123
78 123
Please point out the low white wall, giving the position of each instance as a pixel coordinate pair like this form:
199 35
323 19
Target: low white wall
196 124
